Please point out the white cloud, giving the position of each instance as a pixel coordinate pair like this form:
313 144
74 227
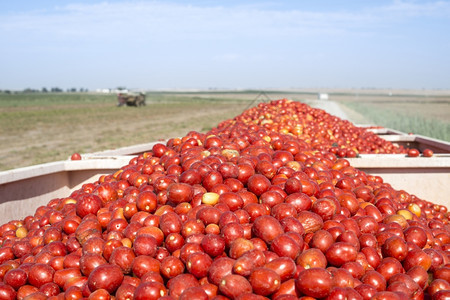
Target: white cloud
165 21
417 8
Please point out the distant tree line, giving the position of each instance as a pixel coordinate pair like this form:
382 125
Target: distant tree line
45 90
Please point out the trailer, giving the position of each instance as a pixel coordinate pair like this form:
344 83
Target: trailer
23 190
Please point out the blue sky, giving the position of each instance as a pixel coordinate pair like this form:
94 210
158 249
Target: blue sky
224 44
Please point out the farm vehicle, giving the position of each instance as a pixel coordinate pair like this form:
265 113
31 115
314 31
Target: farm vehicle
131 99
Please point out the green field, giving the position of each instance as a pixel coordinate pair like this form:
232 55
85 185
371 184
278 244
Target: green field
408 118
420 112
43 127
38 128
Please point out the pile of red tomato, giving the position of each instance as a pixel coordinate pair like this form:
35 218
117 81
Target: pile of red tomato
263 206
